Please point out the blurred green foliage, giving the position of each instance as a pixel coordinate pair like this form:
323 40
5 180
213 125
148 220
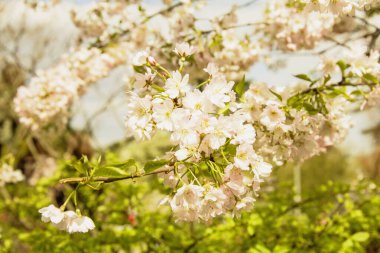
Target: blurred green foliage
331 217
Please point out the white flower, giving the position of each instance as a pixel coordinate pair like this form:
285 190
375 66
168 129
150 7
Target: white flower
189 195
212 69
143 80
235 180
218 91
218 136
205 123
9 175
162 113
245 204
51 213
68 215
262 169
138 119
176 85
140 58
245 155
245 134
184 49
184 129
182 154
272 116
213 203
197 101
80 224
187 202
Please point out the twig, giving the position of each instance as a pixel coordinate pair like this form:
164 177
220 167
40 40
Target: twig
75 180
99 44
246 4
366 22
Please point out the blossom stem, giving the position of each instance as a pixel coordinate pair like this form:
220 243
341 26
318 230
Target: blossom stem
158 73
195 177
164 69
203 83
63 207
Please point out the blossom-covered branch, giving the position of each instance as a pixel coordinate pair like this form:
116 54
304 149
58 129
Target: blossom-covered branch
226 132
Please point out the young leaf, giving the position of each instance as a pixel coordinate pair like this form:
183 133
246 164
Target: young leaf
276 94
371 78
153 165
139 69
303 77
342 65
240 87
109 171
123 165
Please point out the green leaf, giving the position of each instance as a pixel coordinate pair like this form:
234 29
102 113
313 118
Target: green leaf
371 78
310 108
342 65
341 91
293 100
124 165
276 94
303 77
109 171
216 40
360 236
240 87
82 166
115 169
325 80
358 93
153 165
139 69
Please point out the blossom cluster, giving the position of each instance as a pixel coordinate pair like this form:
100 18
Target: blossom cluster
9 175
106 19
41 5
225 143
340 7
293 30
121 27
202 122
288 134
361 70
68 221
50 94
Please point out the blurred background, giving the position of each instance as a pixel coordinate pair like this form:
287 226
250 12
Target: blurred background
328 204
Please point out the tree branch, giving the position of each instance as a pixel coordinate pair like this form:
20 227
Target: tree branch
76 180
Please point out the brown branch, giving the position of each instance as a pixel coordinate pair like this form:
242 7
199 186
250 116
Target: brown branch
372 42
100 44
340 84
75 180
366 22
247 4
170 8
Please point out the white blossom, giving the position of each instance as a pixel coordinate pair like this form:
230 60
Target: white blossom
52 213
184 49
176 86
